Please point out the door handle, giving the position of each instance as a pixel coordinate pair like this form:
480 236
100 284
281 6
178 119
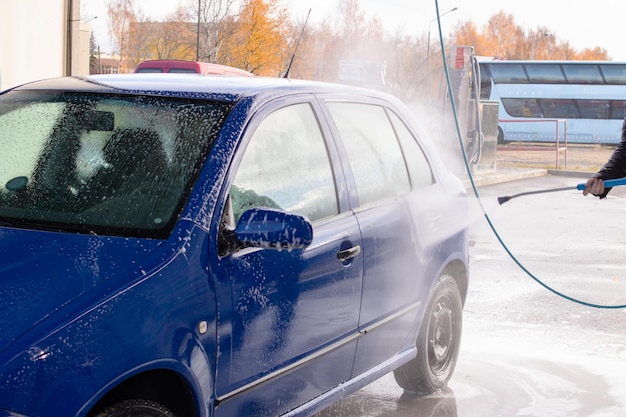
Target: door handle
344 255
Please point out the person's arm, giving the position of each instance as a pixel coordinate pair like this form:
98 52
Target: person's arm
614 168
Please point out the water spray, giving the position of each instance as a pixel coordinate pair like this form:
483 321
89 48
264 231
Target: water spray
579 187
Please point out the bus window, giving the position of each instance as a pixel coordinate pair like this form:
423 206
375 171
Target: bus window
485 82
545 74
560 109
594 109
525 107
614 74
583 74
617 109
508 74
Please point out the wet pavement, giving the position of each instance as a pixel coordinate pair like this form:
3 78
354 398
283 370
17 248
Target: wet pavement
525 350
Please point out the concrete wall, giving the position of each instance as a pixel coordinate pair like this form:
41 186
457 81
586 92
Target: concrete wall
41 39
82 57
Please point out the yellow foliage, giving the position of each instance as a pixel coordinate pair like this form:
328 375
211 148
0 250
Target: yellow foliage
501 37
257 43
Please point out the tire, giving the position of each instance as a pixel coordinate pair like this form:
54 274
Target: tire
438 342
501 140
136 408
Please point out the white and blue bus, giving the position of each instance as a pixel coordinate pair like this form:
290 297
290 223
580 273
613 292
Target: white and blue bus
537 99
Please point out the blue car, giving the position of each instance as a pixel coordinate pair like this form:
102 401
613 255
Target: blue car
193 246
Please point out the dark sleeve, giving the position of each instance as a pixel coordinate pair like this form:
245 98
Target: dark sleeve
615 167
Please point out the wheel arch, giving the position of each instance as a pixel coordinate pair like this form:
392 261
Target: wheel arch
165 386
458 270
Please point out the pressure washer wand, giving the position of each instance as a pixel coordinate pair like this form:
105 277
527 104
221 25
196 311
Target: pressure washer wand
580 187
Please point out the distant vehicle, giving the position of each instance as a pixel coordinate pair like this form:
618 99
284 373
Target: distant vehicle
180 66
203 246
536 96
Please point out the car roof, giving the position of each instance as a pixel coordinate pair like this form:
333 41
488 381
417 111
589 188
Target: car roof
215 87
203 67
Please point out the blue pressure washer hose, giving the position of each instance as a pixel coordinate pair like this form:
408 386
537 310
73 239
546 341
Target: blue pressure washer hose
580 187
469 171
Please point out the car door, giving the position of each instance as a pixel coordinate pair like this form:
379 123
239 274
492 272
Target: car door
289 318
395 287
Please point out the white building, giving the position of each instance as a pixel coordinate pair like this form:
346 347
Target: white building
41 39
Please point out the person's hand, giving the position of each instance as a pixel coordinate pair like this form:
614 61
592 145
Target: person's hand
594 186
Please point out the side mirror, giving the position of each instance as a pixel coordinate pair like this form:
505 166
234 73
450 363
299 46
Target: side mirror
274 229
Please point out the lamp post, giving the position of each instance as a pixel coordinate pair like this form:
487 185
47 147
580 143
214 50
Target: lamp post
198 32
428 46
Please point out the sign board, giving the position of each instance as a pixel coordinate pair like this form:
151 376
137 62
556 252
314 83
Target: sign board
351 70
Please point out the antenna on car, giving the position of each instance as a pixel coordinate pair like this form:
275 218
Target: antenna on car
293 56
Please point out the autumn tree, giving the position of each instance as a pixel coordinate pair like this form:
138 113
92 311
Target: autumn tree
394 63
349 36
360 37
175 38
311 61
121 14
596 53
502 37
215 24
261 38
258 44
406 68
161 40
467 34
179 36
302 54
538 44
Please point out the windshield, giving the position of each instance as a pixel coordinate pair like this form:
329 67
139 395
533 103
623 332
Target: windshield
100 163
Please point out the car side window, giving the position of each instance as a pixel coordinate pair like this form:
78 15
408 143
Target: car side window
419 168
375 156
286 166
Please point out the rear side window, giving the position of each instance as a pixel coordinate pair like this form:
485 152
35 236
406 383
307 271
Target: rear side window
286 166
149 70
183 70
373 150
419 168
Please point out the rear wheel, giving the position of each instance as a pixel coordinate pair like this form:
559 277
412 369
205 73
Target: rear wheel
501 136
136 408
438 342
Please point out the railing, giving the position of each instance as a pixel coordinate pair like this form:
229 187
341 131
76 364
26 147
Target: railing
557 146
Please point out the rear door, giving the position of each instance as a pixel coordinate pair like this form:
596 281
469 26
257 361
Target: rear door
289 320
395 287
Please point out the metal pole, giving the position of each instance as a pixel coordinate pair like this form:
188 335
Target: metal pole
69 34
198 33
428 46
428 54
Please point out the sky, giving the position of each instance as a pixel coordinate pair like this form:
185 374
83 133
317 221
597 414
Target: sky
579 23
